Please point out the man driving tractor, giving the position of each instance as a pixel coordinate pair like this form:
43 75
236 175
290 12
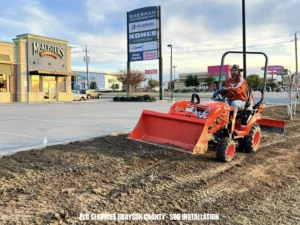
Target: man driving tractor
235 88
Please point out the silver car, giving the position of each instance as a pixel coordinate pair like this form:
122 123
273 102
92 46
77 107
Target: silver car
77 96
91 93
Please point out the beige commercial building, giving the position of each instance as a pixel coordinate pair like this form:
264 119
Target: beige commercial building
35 69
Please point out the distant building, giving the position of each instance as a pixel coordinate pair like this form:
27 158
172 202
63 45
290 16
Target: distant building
104 81
202 76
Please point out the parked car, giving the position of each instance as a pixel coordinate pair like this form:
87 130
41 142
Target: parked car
77 96
268 88
91 93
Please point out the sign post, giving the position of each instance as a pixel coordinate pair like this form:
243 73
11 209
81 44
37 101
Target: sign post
144 37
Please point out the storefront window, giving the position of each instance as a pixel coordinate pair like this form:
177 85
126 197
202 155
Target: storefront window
61 84
49 78
35 83
3 83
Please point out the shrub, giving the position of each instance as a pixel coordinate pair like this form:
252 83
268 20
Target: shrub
117 98
133 98
147 97
153 99
140 98
123 99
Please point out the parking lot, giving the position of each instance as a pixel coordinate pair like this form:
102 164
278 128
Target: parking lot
25 126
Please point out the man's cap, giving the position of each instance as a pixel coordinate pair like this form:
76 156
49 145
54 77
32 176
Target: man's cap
236 67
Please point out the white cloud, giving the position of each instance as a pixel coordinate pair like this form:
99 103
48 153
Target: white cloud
100 10
200 31
39 21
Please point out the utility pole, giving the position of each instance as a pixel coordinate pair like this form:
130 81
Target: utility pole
86 59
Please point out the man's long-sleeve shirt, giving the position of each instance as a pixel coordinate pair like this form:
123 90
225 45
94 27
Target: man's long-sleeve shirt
238 87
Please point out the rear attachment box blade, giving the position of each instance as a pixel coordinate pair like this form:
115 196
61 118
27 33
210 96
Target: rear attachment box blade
274 126
190 134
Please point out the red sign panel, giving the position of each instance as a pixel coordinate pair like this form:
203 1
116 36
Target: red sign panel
154 71
272 72
150 55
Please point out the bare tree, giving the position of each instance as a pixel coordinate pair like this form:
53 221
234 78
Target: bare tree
131 79
291 83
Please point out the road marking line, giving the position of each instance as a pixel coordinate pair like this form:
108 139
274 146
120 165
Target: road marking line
21 135
57 121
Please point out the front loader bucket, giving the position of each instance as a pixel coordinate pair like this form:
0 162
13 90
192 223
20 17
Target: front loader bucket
190 134
269 125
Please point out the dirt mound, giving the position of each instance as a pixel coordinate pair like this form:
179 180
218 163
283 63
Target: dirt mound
115 175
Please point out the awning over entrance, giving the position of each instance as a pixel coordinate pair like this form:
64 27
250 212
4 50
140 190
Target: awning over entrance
50 73
5 69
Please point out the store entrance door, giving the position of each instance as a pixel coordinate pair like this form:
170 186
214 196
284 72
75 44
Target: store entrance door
49 88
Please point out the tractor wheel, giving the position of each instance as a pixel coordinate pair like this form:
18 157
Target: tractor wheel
225 150
250 143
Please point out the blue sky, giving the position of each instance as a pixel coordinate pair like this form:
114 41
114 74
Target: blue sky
199 30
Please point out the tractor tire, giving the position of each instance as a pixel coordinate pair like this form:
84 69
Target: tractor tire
250 143
225 150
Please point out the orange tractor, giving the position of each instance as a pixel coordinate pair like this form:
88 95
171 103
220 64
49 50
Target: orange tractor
191 125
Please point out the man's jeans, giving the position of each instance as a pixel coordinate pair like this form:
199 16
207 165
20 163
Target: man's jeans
236 103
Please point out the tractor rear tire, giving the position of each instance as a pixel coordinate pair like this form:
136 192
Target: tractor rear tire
250 143
225 150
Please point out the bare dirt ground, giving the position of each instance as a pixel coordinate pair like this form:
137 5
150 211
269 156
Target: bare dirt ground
115 175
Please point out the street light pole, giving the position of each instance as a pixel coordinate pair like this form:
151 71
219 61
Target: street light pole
171 75
175 66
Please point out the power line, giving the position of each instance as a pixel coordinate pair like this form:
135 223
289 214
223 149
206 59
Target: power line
210 50
251 46
224 43
234 42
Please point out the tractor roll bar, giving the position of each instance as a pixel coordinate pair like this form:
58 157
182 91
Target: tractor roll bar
245 76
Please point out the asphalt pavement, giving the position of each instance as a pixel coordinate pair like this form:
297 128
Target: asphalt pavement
36 125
